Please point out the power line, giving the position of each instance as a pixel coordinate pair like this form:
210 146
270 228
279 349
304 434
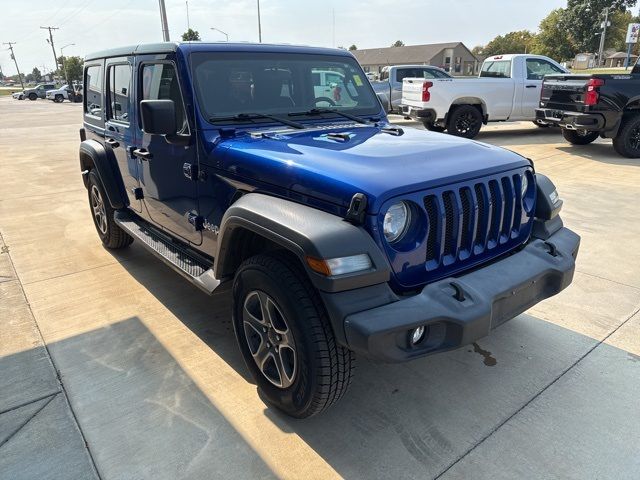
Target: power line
55 57
13 57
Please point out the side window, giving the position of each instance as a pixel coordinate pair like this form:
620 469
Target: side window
119 86
93 87
538 68
160 82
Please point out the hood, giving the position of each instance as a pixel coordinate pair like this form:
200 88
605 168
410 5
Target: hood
315 163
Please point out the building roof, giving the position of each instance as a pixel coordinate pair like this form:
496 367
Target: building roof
620 55
402 55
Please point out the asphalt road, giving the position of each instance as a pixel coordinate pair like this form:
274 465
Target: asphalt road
117 351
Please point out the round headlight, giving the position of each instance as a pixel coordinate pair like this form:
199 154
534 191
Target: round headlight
525 185
396 221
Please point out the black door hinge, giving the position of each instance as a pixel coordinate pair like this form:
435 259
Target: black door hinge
190 171
197 221
137 193
357 209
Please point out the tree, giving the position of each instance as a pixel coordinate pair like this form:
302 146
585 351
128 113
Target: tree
583 19
191 35
35 73
478 50
554 39
353 47
398 43
73 67
512 42
617 32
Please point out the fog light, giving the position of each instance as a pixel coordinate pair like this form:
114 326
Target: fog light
416 335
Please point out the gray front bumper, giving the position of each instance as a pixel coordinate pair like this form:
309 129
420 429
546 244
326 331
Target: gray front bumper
458 311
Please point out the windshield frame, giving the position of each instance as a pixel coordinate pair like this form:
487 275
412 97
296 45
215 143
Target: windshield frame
215 120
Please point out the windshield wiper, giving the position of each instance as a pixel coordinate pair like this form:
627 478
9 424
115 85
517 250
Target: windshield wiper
320 111
251 116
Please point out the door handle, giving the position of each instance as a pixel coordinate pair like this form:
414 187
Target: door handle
531 86
112 143
142 153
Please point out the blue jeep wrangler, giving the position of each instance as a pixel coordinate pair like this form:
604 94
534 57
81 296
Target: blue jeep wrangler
272 171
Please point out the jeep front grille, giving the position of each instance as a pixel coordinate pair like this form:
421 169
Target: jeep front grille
469 221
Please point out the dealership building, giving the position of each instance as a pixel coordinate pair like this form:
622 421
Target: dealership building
454 57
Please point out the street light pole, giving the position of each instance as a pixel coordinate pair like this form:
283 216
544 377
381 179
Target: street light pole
163 21
259 25
602 37
64 64
218 30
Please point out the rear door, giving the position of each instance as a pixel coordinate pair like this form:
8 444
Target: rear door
535 71
170 195
119 133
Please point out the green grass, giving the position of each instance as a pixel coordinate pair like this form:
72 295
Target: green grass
8 91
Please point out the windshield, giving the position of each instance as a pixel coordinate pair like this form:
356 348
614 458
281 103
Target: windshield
232 83
499 69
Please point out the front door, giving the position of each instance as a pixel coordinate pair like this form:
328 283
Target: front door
170 197
119 132
536 69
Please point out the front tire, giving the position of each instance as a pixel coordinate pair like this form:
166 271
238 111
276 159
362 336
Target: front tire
579 137
33 96
59 99
112 236
285 337
465 121
627 142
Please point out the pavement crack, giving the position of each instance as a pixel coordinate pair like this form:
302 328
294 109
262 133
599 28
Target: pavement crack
528 402
23 424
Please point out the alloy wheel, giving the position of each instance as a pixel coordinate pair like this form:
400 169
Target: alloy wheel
99 210
466 123
270 339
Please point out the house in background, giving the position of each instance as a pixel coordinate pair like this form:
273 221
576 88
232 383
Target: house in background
617 60
453 57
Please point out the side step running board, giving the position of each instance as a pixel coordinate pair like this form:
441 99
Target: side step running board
188 263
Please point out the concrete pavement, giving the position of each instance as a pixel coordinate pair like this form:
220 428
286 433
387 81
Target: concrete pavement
154 379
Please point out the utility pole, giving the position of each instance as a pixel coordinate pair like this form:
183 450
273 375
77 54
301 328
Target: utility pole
188 23
259 25
13 57
55 57
603 35
163 21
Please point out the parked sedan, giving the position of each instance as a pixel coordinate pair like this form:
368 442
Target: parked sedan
18 95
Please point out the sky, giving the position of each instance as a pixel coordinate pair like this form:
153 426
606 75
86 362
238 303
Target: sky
98 24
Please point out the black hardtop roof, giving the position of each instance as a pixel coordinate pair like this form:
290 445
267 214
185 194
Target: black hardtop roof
170 47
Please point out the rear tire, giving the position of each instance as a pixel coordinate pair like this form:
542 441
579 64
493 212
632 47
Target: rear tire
112 236
281 325
464 121
579 137
627 142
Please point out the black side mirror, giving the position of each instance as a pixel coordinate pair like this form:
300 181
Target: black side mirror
158 117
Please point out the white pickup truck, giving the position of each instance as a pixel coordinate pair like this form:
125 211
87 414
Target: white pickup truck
508 89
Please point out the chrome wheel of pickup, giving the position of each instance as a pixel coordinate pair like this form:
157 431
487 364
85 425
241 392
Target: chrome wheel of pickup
99 212
269 338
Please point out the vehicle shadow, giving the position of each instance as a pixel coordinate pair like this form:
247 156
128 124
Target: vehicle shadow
600 152
410 420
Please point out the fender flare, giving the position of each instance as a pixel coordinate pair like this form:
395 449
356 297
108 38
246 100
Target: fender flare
101 157
304 231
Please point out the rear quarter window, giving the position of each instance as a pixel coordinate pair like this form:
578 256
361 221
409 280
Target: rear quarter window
93 88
